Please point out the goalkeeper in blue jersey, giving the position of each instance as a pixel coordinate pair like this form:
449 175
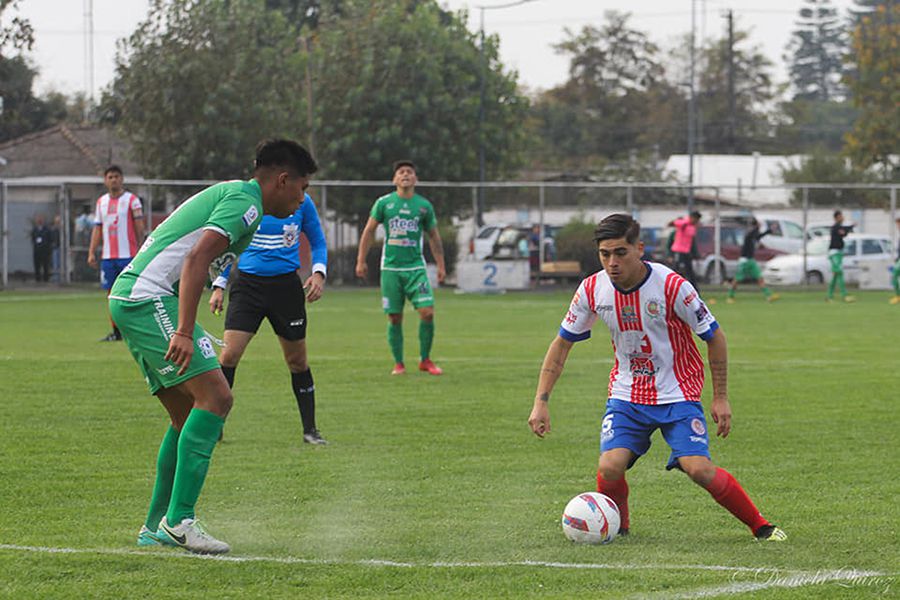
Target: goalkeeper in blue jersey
267 284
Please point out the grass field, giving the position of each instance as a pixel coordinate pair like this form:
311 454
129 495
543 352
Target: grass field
435 487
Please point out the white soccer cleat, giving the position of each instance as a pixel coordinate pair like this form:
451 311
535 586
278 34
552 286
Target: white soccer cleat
190 535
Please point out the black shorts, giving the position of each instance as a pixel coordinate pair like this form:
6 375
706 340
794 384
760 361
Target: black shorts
280 299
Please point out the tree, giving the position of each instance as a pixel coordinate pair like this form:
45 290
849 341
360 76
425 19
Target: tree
875 85
807 125
744 125
615 101
23 113
815 53
18 33
823 167
200 82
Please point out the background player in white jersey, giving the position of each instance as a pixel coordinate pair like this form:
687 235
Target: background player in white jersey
154 302
118 232
651 312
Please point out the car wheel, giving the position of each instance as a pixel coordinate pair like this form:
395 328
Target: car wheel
814 278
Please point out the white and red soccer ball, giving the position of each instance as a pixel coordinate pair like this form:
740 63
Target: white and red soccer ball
591 518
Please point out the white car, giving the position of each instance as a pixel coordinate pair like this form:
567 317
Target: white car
859 248
482 245
785 236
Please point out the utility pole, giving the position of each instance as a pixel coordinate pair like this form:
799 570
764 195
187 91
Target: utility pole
732 117
89 54
692 110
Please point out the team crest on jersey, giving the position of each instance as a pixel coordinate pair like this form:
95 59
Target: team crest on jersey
642 367
653 308
291 232
250 216
702 312
697 426
629 315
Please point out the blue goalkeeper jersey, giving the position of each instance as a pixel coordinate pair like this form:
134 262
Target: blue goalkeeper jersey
275 248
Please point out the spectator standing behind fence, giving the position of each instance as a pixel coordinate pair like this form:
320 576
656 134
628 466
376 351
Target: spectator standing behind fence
682 245
42 247
56 231
119 225
836 257
895 275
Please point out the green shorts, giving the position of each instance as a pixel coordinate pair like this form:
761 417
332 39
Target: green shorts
747 270
147 326
396 286
836 258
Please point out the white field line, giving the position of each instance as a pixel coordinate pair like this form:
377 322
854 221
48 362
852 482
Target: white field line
773 574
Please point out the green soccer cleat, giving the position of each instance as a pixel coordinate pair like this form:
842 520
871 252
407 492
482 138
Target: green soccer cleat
770 533
150 538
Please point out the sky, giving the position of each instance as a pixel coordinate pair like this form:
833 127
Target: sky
527 32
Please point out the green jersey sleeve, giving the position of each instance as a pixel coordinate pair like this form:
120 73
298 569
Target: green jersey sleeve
235 216
377 212
430 220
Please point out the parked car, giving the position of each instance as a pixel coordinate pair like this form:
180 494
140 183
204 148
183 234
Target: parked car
859 248
732 238
482 245
508 244
787 235
655 241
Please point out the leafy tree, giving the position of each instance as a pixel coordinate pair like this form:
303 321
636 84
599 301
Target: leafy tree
748 127
823 167
875 85
615 81
18 33
200 82
815 53
807 125
22 112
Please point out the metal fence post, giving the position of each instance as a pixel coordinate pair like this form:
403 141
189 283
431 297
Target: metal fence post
803 276
894 233
4 231
629 201
65 275
541 256
148 225
717 244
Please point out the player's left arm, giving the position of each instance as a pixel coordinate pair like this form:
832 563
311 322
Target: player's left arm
137 214
437 250
194 274
312 229
717 355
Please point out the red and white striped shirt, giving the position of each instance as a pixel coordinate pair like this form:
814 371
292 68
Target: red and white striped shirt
116 217
657 361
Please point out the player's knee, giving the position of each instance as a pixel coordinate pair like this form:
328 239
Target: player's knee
427 313
395 319
611 471
297 364
701 472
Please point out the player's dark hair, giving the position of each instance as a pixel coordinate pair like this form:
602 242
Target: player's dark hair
285 154
113 169
402 163
837 214
618 226
696 214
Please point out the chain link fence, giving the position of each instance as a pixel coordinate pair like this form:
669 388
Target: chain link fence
479 221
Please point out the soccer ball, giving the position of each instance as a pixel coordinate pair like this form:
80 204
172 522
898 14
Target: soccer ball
591 518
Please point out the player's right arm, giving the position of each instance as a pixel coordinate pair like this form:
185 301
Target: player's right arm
96 236
194 274
365 241
552 368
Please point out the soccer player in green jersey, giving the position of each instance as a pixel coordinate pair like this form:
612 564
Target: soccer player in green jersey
406 216
154 303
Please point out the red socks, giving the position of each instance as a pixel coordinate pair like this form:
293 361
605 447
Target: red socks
618 491
726 490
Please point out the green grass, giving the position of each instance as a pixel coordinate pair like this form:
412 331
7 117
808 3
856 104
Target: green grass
424 470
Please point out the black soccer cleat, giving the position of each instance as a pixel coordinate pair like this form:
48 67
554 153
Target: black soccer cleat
770 533
314 437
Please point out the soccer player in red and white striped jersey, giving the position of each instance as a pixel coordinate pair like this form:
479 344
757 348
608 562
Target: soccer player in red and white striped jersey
119 228
652 313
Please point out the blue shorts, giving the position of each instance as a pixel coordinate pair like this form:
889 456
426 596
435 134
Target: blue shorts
110 269
629 425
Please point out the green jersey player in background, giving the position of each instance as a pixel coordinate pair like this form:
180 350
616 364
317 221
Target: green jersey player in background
154 303
406 217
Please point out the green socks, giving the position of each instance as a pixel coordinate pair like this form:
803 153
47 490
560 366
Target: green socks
426 336
165 474
395 341
195 446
